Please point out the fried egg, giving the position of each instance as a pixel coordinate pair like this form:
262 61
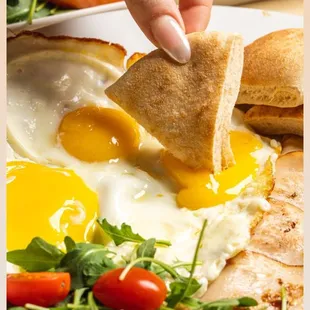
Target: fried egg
75 156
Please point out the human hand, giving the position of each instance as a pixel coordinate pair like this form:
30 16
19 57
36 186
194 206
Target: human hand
165 23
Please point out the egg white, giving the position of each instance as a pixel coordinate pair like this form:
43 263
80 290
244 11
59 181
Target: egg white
37 101
41 89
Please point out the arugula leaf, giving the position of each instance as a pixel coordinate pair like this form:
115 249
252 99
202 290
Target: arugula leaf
188 286
147 249
119 236
247 302
38 256
181 289
19 12
86 263
93 271
69 243
222 304
23 10
125 234
230 304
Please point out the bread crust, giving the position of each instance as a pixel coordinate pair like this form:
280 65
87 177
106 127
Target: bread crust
186 107
273 70
268 120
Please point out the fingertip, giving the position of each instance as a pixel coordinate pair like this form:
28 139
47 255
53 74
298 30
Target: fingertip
196 18
171 38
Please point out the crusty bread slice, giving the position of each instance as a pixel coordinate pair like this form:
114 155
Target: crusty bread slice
268 120
273 70
187 107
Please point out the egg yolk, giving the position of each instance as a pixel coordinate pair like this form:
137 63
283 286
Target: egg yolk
202 189
95 134
48 203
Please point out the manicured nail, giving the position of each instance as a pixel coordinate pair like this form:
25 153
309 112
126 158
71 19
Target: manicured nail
171 38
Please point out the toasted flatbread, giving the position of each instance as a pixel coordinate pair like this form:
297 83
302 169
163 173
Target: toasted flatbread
268 120
273 70
187 107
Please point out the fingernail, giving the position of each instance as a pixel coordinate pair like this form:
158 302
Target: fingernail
171 38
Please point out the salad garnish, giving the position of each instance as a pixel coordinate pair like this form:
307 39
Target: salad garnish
92 268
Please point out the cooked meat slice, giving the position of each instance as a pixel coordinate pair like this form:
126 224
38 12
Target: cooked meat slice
255 275
289 180
280 234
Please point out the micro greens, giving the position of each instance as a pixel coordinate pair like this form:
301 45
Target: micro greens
28 10
125 234
178 290
31 11
283 298
86 262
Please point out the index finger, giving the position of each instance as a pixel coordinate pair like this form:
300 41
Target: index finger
162 23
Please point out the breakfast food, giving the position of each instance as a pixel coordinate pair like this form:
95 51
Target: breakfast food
80 4
96 201
268 120
21 10
188 107
271 268
273 70
272 81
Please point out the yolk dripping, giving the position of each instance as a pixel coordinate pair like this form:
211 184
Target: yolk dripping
201 189
49 203
95 134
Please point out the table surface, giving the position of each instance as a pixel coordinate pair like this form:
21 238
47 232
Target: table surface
286 6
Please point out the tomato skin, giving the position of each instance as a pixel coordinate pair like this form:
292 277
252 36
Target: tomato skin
44 289
140 290
80 4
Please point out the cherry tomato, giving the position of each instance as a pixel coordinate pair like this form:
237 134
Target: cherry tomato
140 290
44 289
80 4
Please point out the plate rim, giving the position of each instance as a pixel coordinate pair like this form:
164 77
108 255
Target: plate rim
118 6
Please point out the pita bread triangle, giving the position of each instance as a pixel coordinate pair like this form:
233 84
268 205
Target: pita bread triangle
187 107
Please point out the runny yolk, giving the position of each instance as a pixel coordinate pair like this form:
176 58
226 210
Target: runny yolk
202 189
49 203
96 134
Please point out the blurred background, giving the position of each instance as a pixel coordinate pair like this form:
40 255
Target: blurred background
286 6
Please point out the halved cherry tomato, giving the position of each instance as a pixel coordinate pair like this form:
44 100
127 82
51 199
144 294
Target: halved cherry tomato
140 290
80 4
44 289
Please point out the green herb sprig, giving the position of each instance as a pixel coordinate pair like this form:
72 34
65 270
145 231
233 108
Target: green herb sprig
125 234
86 262
28 10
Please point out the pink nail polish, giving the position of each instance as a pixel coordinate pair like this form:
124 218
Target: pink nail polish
171 38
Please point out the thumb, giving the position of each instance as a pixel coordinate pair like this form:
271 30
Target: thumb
162 23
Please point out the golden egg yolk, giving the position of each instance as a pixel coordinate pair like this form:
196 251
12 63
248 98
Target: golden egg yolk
96 134
49 203
202 189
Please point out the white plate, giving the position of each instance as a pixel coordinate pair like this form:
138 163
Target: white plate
55 19
119 27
